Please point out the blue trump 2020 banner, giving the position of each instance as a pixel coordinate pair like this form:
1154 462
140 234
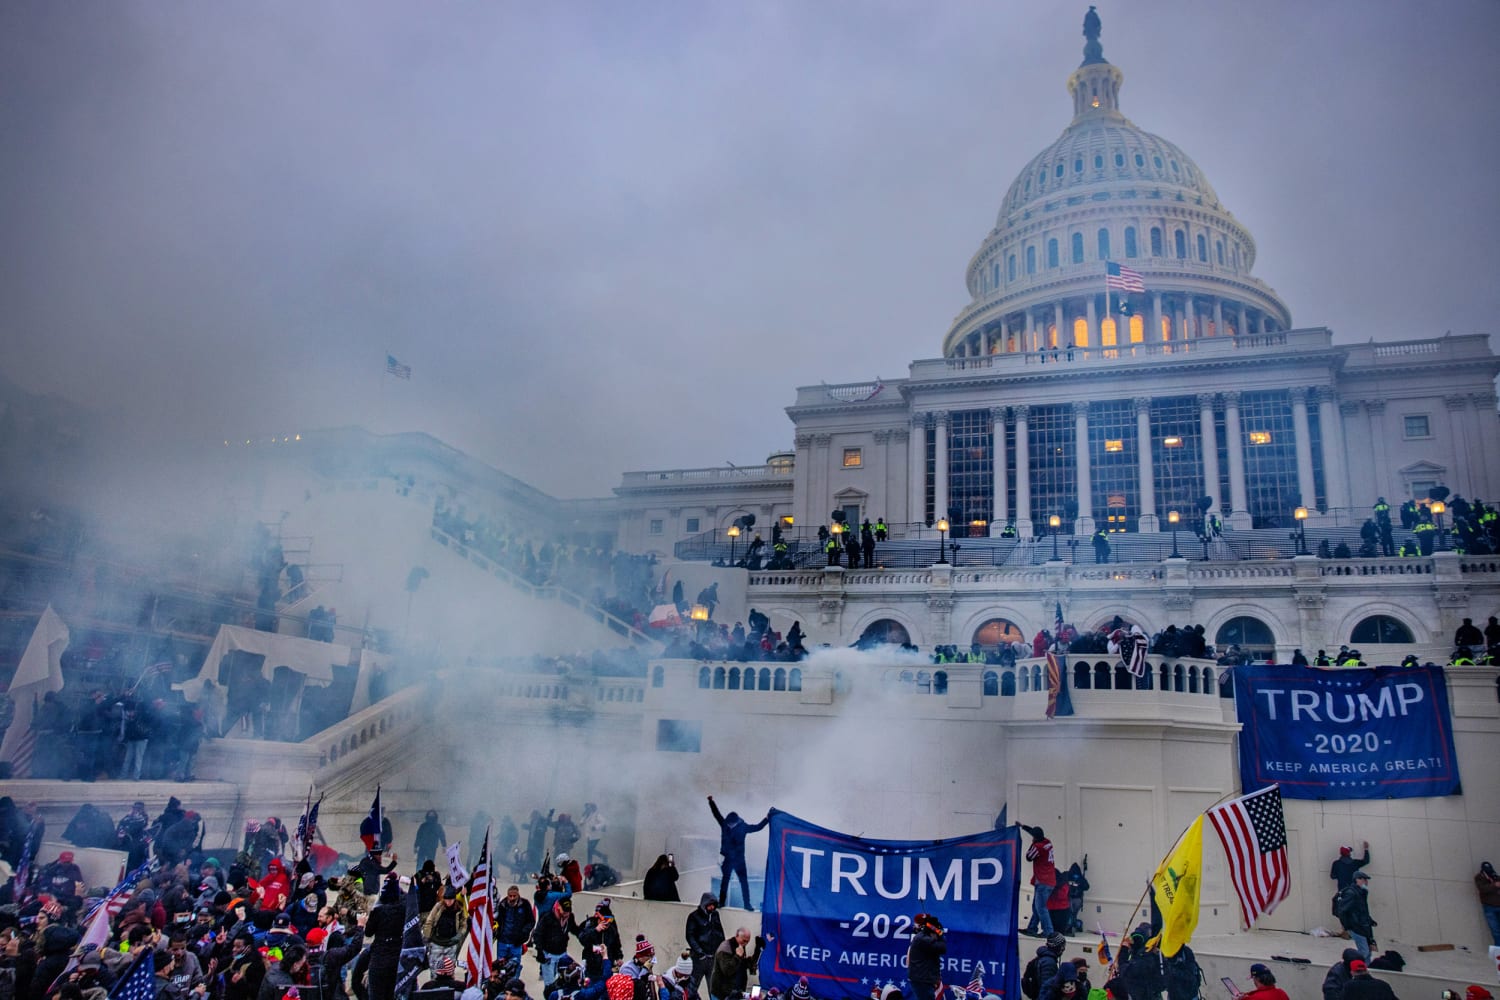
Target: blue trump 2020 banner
838 909
1346 734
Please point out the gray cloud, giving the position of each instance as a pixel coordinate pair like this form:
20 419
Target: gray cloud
616 236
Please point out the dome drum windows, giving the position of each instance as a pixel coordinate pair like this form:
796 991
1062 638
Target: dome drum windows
1179 243
1202 248
1052 253
1077 248
1103 244
1031 260
1131 249
1156 244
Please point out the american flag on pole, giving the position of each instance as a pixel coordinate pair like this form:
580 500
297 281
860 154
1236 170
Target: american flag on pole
1122 278
976 983
481 952
1133 652
396 368
1253 831
307 826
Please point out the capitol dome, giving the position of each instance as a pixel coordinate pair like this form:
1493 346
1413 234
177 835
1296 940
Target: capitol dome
1107 192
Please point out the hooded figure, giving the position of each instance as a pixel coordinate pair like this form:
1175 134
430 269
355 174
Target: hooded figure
384 926
430 836
705 933
924 957
732 833
1338 975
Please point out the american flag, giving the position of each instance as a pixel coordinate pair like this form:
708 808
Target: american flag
1253 832
481 953
140 982
28 855
1133 652
307 826
976 984
161 669
1122 278
396 368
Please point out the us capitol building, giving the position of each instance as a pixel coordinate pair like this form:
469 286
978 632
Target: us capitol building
1111 404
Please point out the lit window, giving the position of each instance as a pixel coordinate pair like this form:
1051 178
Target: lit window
852 458
692 526
655 526
1260 437
1171 442
1417 426
1114 444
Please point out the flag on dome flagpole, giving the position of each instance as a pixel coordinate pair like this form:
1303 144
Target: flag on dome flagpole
1118 277
396 368
480 955
1253 831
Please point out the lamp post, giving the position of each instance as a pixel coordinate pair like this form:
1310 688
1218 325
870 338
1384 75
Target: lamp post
1173 518
1300 516
734 535
1053 523
1438 509
942 527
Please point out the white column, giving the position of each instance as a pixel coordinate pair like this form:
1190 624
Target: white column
1331 427
802 480
1233 440
1218 316
1239 328
1303 432
1153 335
1096 329
940 465
917 468
1030 331
1384 485
1085 523
999 505
1210 446
1057 321
1145 464
1023 471
1179 323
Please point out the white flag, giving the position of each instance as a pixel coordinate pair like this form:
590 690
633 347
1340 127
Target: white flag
457 873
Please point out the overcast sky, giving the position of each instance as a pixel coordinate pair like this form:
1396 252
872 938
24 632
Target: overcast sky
616 236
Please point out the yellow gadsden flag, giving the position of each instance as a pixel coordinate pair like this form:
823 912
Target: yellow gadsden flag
1175 886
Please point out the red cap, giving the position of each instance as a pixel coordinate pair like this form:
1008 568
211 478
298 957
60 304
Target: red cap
1357 965
1477 993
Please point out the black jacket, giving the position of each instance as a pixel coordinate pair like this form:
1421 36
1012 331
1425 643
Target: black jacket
924 959
1368 988
552 934
334 960
704 930
514 923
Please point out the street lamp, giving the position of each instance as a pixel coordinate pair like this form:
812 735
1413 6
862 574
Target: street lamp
1300 516
1053 523
734 534
942 527
1438 509
1173 518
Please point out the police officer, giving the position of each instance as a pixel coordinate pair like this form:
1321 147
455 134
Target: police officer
1101 546
881 532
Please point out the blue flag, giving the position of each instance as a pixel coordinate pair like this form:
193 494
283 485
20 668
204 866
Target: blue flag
838 909
140 982
370 826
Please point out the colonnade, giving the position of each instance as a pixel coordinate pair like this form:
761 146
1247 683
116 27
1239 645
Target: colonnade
1043 327
1331 456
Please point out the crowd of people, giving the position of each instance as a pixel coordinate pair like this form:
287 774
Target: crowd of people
759 642
621 583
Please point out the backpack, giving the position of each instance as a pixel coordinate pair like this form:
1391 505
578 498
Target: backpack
1030 981
1342 902
1183 974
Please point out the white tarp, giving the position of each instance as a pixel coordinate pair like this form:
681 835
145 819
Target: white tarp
314 660
39 672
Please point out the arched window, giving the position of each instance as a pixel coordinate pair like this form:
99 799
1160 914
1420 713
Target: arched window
1156 248
1378 629
1219 251
1031 260
1252 635
1098 161
884 632
1077 242
734 678
1177 678
1137 328
924 682
794 679
1010 268
1101 676
1036 678
997 632
1165 673
995 274
1192 680
1025 681
1103 244
1052 258
1078 165
1119 159
1202 248
778 682
1131 250
1059 170
719 678
1156 160
991 681
1008 684
940 682
1179 243
1083 676
1080 332
658 676
1124 681
765 678
1140 160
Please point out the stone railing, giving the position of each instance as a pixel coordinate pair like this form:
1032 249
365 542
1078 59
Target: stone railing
735 474
387 721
